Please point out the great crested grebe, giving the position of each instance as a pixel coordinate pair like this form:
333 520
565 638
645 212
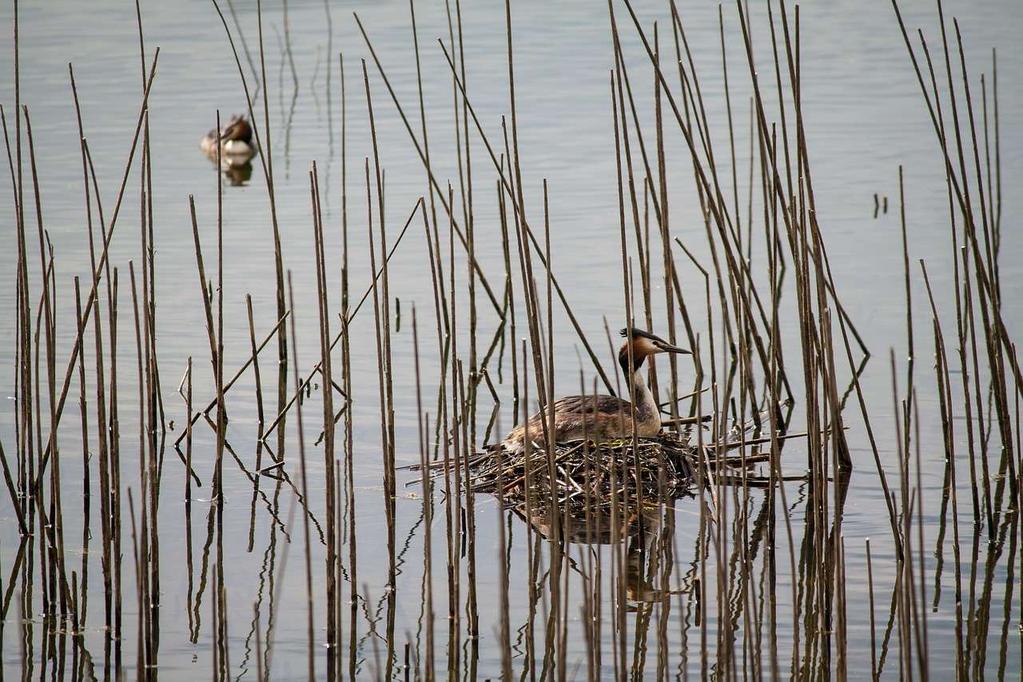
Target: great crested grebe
603 417
235 142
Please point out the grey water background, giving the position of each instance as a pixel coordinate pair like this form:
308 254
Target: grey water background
864 117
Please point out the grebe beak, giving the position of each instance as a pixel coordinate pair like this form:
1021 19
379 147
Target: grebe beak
665 347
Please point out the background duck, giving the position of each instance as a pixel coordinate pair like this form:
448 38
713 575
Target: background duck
236 144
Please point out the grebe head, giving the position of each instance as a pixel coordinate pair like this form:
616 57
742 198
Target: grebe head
643 343
237 128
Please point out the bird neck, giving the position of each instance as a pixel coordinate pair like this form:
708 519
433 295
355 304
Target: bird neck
642 398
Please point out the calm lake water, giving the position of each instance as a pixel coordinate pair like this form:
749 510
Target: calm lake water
864 118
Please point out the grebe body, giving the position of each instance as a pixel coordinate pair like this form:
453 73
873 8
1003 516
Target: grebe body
603 417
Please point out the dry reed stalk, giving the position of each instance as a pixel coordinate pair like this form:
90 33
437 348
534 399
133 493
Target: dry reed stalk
427 664
57 410
436 187
306 383
328 422
310 660
263 143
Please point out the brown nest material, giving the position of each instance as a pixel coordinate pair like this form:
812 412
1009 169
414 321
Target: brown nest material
591 476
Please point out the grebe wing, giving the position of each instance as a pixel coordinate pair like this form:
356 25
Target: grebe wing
591 404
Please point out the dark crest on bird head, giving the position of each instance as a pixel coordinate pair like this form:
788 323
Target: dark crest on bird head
642 344
237 128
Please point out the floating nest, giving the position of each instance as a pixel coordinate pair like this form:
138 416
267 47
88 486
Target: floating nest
587 477
603 491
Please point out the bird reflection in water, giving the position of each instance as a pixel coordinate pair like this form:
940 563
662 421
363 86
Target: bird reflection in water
645 531
237 174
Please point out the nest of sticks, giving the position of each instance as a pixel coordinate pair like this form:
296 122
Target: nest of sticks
589 475
622 478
